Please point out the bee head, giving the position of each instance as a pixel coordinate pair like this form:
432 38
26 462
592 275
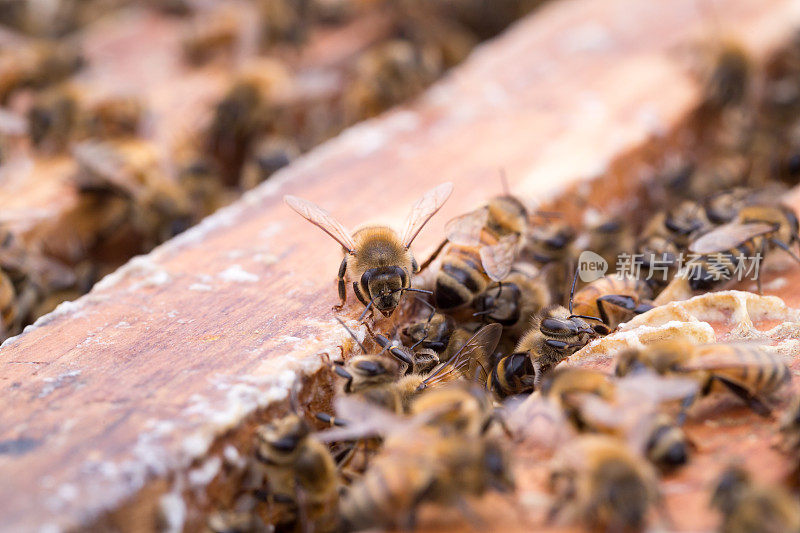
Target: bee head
385 285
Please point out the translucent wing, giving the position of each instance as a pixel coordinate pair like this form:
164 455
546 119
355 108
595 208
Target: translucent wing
652 388
423 210
365 420
469 359
728 236
537 421
466 229
498 258
322 219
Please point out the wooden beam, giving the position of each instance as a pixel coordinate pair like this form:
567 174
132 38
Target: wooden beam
115 399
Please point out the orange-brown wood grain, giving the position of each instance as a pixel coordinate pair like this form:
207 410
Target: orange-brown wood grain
131 384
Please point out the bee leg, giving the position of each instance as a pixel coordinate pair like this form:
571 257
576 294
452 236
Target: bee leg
341 285
306 525
432 257
685 404
752 401
474 520
785 247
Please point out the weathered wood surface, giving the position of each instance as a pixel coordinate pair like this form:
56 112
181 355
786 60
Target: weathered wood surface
134 381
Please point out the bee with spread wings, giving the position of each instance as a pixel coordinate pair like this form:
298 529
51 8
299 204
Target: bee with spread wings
376 259
481 248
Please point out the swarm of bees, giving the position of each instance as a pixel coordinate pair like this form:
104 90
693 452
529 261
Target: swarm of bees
470 360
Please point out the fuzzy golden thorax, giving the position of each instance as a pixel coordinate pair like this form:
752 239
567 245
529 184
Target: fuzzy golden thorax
380 267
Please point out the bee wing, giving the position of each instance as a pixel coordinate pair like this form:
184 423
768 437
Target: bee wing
498 258
536 420
365 420
322 219
466 229
467 360
728 236
648 387
423 210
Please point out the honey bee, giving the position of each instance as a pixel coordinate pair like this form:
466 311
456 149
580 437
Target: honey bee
283 21
300 472
390 72
549 243
53 118
8 306
514 302
746 370
37 63
210 34
421 461
746 506
382 380
236 522
626 408
723 250
612 300
461 407
269 155
242 113
432 334
599 482
376 259
609 237
679 224
113 116
725 79
481 248
554 335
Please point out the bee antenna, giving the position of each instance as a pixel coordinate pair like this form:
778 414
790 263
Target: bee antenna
353 335
294 401
415 290
572 291
504 182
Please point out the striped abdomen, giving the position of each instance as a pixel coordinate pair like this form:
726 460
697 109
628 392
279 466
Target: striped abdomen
386 494
751 367
461 276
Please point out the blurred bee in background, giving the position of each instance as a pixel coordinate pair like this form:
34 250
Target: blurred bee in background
756 230
37 64
608 238
599 482
210 34
424 459
53 117
283 21
612 300
746 370
388 73
268 155
131 169
376 259
625 408
746 506
243 113
67 113
481 247
300 473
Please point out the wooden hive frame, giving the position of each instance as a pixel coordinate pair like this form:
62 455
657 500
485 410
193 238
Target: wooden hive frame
135 397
